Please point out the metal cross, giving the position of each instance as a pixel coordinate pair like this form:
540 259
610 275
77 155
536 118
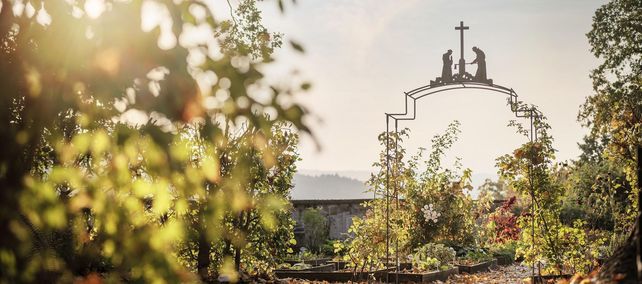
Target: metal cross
461 29
462 62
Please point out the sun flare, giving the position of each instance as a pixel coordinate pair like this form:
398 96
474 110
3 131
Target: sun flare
94 8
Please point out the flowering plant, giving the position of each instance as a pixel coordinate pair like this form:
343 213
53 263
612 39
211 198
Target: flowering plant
430 214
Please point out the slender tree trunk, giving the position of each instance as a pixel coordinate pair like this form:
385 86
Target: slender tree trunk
245 222
639 219
204 250
228 248
237 259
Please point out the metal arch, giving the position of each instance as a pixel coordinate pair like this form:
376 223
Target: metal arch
520 111
463 84
427 90
517 107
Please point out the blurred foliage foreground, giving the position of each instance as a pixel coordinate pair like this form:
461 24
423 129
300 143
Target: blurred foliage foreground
141 143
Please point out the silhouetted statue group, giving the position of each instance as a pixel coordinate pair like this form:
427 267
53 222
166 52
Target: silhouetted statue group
447 75
447 71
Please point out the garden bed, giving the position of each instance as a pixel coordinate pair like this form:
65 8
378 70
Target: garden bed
405 266
425 277
479 267
315 262
331 276
324 267
339 264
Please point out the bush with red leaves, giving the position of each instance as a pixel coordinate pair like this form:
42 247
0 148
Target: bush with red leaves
505 221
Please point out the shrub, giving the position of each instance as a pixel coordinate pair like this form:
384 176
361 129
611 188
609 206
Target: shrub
328 247
474 256
506 249
503 223
432 256
435 206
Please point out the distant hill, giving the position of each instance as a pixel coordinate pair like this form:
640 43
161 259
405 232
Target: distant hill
318 184
352 174
328 186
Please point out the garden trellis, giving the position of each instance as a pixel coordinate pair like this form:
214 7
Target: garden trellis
446 83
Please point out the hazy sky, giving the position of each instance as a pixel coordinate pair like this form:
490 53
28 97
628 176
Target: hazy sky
362 54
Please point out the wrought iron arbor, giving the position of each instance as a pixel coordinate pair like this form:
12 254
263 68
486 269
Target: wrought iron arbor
410 113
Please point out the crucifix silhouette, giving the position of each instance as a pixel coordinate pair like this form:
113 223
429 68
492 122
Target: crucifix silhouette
462 62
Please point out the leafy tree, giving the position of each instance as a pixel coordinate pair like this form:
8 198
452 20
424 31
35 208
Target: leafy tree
250 238
613 39
529 170
498 190
87 192
316 228
597 190
532 172
366 248
615 109
245 34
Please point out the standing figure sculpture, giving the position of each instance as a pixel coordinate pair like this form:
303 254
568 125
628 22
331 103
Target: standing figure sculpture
480 75
447 71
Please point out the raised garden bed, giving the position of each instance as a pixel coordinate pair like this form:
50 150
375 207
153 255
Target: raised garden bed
339 264
425 277
479 267
504 259
324 267
331 276
405 266
315 262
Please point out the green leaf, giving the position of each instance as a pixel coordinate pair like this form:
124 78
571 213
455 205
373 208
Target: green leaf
298 47
281 6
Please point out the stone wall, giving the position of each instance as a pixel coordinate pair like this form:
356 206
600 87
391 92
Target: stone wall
338 212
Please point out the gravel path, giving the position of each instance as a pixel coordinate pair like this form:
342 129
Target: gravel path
504 274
